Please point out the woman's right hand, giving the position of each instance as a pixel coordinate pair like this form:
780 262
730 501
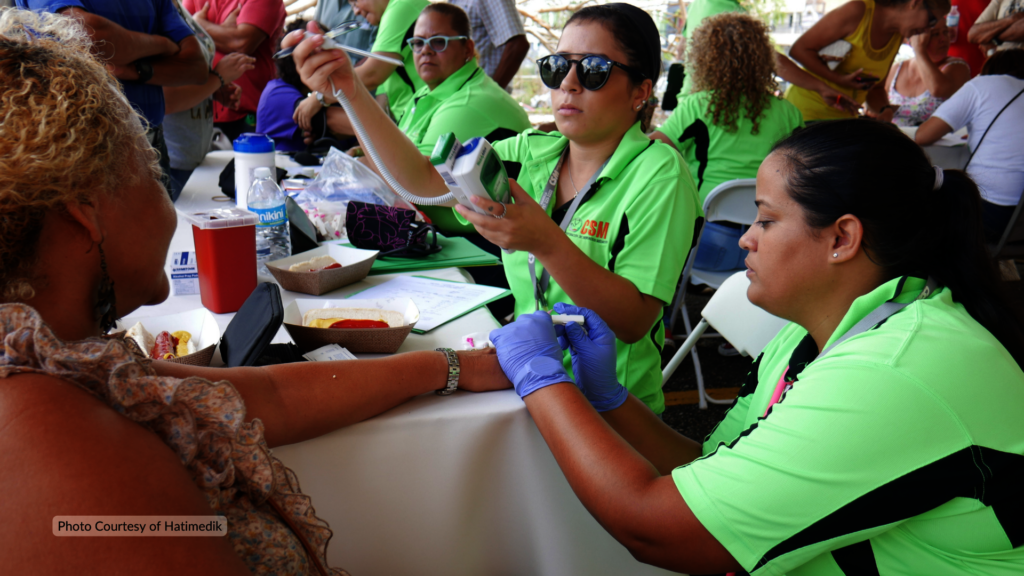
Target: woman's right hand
838 100
857 80
316 66
232 66
593 358
305 111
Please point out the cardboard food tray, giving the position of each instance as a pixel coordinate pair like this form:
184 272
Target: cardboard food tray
355 265
200 323
357 340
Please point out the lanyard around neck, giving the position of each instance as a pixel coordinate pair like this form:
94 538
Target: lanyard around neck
540 286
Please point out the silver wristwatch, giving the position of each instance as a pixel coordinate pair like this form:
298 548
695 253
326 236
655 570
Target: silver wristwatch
453 372
320 98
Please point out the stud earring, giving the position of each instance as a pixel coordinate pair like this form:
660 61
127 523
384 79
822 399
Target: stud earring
835 254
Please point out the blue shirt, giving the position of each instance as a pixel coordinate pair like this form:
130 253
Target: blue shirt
157 17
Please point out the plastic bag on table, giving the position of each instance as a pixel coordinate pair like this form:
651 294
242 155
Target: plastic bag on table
344 178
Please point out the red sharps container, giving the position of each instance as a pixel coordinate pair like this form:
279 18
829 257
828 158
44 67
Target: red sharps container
226 257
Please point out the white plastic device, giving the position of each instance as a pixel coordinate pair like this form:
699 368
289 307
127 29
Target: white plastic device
566 318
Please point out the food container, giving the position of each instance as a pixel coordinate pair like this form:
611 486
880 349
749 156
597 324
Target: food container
355 265
357 340
226 256
200 323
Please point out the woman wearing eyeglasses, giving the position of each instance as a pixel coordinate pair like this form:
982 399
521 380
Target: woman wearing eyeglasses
393 19
627 205
459 96
919 85
873 31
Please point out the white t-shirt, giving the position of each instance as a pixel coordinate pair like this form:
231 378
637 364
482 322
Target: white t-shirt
998 166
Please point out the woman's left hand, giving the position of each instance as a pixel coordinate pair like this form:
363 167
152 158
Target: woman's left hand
524 225
529 353
481 372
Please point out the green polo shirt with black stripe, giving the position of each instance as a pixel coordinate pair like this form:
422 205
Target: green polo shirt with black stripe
468 103
900 452
716 155
396 26
636 220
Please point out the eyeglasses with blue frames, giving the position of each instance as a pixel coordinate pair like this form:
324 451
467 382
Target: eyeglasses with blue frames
437 43
592 70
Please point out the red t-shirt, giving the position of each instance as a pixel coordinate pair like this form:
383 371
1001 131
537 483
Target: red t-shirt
268 16
969 12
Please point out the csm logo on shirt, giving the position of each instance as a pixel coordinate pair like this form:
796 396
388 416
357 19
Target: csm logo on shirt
589 230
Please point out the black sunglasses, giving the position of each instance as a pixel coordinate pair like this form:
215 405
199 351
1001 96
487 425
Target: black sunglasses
592 70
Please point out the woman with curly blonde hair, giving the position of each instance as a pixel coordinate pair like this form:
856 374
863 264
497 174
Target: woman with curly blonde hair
728 124
88 427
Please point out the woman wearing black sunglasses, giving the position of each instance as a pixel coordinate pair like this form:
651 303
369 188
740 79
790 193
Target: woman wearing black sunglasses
627 233
873 31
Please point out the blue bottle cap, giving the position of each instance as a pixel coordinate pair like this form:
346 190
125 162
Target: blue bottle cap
254 143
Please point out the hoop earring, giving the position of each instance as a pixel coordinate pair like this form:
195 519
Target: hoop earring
106 301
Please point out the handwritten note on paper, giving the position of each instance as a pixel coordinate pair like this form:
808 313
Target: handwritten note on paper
439 301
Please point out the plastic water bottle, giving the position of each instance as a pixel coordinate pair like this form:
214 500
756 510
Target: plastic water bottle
953 23
273 238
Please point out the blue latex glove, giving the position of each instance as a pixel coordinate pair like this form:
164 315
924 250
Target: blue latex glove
529 353
593 359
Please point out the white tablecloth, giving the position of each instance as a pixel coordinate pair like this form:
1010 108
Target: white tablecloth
950 152
457 485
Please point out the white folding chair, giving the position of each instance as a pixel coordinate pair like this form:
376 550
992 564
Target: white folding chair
731 201
742 324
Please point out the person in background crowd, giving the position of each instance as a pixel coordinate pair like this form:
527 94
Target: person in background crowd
917 86
874 29
330 14
188 120
1000 26
961 46
146 45
90 427
281 97
497 30
699 10
458 97
251 27
728 125
854 446
627 206
996 164
395 20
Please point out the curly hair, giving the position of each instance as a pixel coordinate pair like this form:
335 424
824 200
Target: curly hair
730 56
67 134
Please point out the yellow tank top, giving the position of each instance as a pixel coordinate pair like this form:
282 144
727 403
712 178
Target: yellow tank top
862 55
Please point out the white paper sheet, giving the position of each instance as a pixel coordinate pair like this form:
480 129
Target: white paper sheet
439 301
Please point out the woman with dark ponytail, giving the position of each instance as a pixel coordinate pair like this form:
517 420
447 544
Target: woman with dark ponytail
880 432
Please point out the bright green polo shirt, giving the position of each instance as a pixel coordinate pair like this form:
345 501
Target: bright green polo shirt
468 103
637 221
396 26
716 155
695 15
900 452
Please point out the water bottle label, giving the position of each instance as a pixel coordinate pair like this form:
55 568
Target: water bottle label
270 216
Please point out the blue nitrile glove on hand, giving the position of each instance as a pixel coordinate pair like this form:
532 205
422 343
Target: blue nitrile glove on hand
529 353
593 359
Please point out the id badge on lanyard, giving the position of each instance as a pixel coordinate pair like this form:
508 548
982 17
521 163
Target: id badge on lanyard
540 285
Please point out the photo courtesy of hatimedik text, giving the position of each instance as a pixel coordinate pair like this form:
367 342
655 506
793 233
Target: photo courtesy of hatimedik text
92 526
